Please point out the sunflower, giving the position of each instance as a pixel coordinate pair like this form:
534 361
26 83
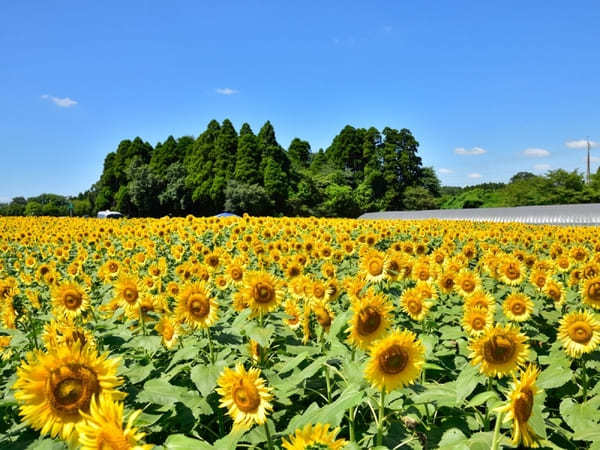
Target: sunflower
476 320
69 300
196 307
520 406
447 282
517 307
538 278
102 428
128 293
373 266
323 314
235 272
263 292
314 436
511 270
245 395
555 291
500 350
467 282
481 299
169 330
414 304
370 320
55 387
65 332
590 292
579 332
395 361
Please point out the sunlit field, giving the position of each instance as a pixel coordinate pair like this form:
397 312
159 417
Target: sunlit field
297 333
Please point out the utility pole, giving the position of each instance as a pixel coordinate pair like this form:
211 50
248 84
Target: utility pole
588 161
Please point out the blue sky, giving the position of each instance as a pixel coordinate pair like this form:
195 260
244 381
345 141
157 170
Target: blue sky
478 83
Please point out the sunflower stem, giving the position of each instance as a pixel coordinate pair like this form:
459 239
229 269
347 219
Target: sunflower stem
142 321
327 383
496 437
210 346
351 424
33 330
380 418
269 439
584 378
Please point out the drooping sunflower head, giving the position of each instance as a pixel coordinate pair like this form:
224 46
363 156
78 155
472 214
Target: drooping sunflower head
413 302
499 351
590 292
196 307
476 321
317 436
66 332
517 307
292 309
579 332
263 291
245 395
395 361
370 320
169 330
69 300
323 314
53 388
520 407
102 428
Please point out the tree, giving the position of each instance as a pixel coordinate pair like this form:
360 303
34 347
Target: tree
247 198
299 153
175 198
418 198
276 184
224 159
247 158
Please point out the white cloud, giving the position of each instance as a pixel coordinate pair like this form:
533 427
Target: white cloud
226 91
65 102
445 171
473 151
5 199
581 143
474 175
536 152
541 167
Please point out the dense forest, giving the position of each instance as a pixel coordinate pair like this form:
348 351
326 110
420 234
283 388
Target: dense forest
243 172
223 170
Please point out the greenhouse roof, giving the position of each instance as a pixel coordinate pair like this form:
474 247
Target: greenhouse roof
587 214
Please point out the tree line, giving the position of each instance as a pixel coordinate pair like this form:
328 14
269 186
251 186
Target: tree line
243 172
362 170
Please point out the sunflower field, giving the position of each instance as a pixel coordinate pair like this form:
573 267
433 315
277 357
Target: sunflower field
297 333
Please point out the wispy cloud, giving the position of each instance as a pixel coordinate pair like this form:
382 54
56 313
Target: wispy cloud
474 175
471 152
226 91
536 152
65 102
541 167
594 159
445 171
5 199
581 143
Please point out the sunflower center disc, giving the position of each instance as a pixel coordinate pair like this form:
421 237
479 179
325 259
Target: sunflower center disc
512 272
113 267
594 291
263 293
499 349
478 324
523 405
369 320
71 388
72 300
448 283
393 360
518 308
130 294
199 306
236 274
414 306
580 332
375 268
468 286
246 397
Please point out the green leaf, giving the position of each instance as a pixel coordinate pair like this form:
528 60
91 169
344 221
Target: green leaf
260 335
149 343
160 392
182 442
468 379
440 394
183 354
138 373
47 444
205 377
453 439
482 398
581 417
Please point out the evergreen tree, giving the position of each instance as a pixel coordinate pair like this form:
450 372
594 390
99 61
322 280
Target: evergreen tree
299 153
224 160
248 157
